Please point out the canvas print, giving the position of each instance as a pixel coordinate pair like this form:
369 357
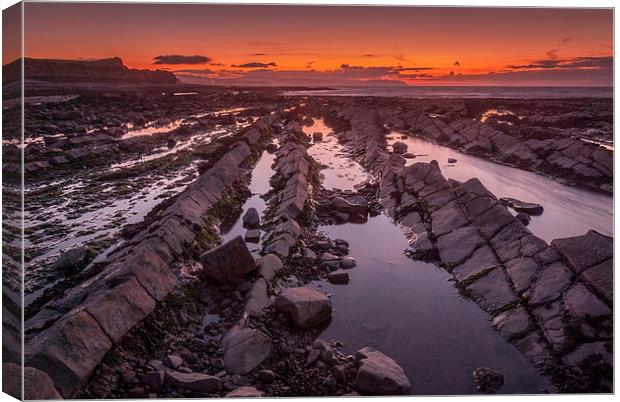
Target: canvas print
226 200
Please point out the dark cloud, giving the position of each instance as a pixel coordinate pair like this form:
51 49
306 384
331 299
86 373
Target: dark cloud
255 64
552 54
601 62
456 63
179 59
564 41
309 64
258 54
369 55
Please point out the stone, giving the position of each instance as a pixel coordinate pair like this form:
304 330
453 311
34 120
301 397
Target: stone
522 272
154 379
245 349
357 205
482 259
338 277
582 303
173 361
488 380
197 382
550 283
258 299
585 353
458 245
266 376
72 260
69 350
251 219
451 160
252 236
268 266
523 218
317 136
313 356
600 277
447 219
305 307
399 147
492 291
530 208
37 384
378 374
513 323
245 392
348 262
585 251
550 317
228 262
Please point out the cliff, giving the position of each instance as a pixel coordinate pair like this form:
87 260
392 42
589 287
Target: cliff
104 70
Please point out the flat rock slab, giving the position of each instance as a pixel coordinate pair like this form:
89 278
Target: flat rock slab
600 277
457 246
197 382
305 307
585 251
228 262
513 323
550 283
245 392
258 298
378 374
492 291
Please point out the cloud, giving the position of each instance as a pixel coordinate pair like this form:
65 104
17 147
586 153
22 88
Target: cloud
309 65
254 64
456 63
179 59
600 62
565 41
258 54
552 54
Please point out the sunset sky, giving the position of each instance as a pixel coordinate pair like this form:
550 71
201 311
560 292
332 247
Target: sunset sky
318 45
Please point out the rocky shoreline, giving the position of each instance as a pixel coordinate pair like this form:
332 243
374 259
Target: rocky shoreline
216 321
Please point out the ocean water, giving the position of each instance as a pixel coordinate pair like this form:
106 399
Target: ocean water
463 92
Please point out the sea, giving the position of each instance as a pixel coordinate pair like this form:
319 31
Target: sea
461 92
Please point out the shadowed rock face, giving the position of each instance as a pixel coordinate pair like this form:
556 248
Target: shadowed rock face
104 70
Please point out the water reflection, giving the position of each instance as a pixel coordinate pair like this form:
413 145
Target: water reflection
341 172
569 211
410 311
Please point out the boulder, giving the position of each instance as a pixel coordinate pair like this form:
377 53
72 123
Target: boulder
530 208
305 307
268 266
338 277
358 205
258 298
173 361
317 136
488 380
197 382
73 259
228 262
451 160
251 219
380 375
245 349
36 384
399 147
154 379
245 392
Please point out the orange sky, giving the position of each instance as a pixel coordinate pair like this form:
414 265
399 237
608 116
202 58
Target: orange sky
337 45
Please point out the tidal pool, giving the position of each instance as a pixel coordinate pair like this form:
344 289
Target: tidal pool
569 211
341 172
410 311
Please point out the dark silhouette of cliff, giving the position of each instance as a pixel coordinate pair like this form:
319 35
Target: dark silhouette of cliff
105 70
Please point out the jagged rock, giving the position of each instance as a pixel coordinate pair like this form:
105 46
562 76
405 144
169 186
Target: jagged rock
339 277
228 262
317 136
523 218
357 205
245 392
488 380
269 265
348 262
245 349
173 361
258 298
37 385
305 307
198 382
266 376
251 219
380 375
